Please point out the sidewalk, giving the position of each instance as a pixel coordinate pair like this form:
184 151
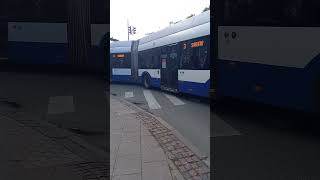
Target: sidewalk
134 153
141 147
34 150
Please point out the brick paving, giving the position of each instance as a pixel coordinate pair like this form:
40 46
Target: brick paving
187 162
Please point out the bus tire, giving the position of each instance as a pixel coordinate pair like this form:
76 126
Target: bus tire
146 81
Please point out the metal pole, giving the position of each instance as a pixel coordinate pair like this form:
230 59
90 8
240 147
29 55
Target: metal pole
128 28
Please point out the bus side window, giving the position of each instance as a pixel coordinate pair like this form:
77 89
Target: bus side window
149 58
126 62
115 63
185 56
144 60
207 64
195 58
154 59
140 61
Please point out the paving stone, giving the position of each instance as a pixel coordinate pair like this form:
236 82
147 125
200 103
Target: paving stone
205 177
170 148
185 174
153 154
195 158
149 141
132 126
203 170
128 177
145 131
129 148
177 163
194 165
127 165
179 155
182 168
193 172
197 178
187 167
176 175
189 159
116 125
131 137
158 170
170 155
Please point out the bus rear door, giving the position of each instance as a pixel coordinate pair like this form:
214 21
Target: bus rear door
169 68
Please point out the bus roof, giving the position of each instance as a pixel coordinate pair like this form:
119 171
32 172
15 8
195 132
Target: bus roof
199 23
120 46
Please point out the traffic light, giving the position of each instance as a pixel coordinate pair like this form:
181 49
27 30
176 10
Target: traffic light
134 30
129 30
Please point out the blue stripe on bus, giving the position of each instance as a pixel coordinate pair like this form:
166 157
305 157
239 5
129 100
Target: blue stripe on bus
282 86
121 78
198 89
37 53
155 82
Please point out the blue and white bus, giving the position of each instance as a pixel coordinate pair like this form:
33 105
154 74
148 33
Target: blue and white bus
175 59
269 52
57 32
120 61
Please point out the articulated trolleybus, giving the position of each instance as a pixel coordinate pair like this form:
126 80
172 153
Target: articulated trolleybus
120 58
57 31
269 52
175 59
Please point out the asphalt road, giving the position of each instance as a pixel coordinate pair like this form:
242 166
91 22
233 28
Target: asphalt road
252 141
70 101
189 116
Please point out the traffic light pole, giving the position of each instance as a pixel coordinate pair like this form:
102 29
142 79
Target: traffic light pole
128 28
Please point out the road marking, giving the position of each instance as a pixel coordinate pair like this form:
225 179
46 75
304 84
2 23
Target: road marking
152 102
221 128
128 94
175 101
60 104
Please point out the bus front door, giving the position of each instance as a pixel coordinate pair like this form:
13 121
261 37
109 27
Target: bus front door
169 69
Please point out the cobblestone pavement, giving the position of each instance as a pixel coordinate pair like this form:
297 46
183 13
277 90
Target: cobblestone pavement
182 162
34 150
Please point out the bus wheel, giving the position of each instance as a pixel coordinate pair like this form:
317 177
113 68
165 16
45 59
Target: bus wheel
146 82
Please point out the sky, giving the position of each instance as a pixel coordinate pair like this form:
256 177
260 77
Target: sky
149 15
